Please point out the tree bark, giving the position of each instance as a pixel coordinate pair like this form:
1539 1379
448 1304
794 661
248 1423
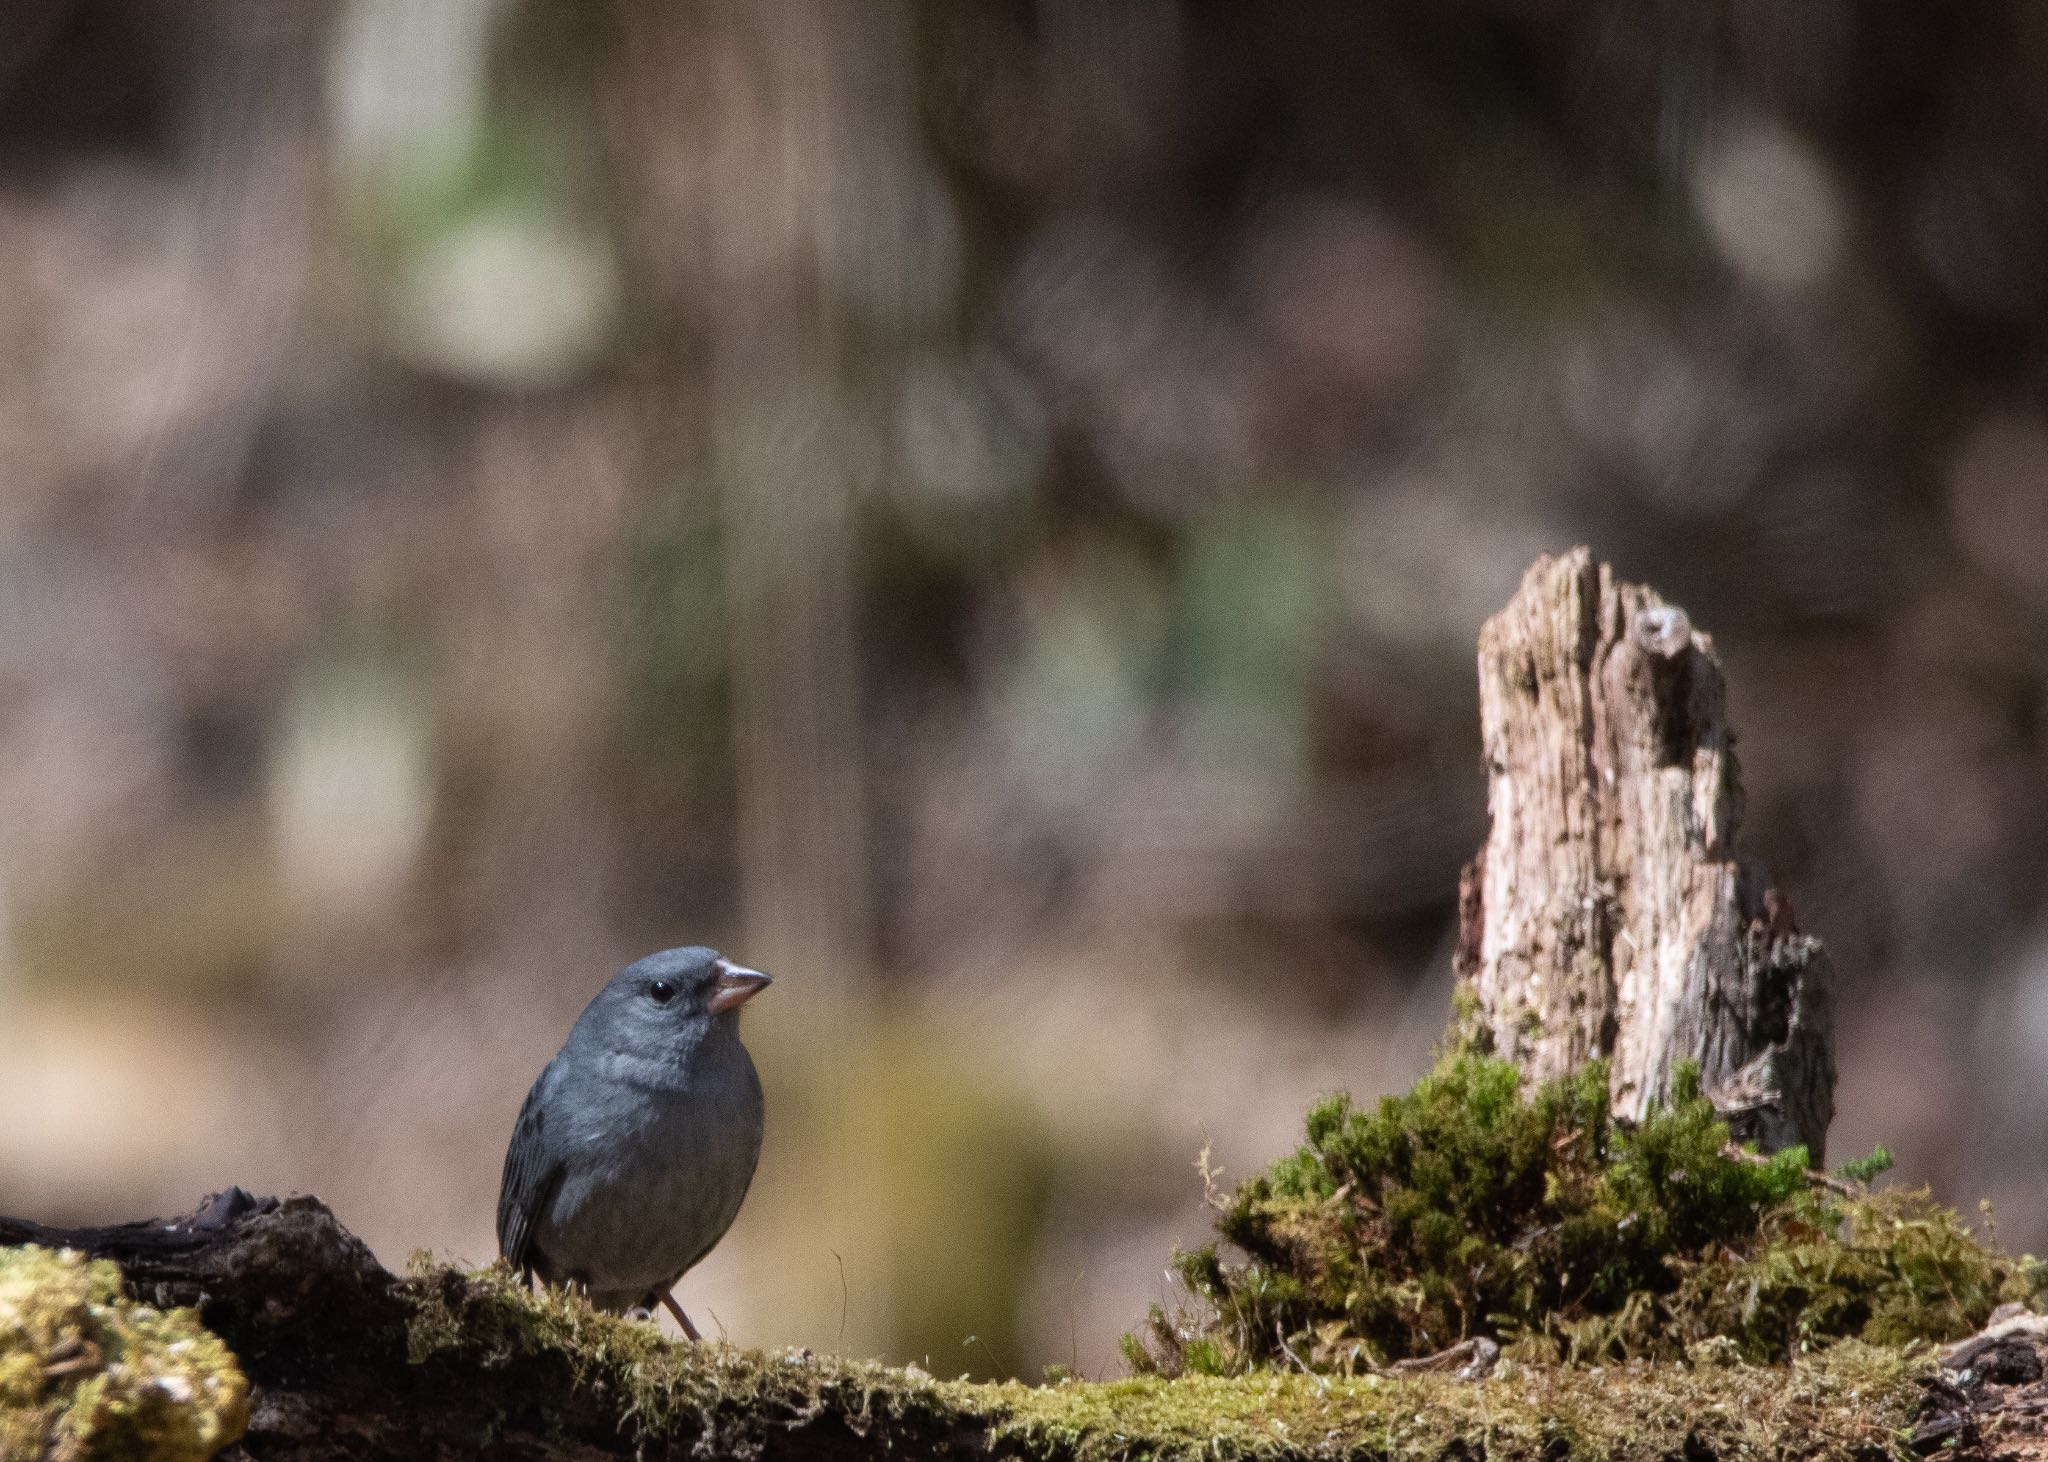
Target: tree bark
1608 914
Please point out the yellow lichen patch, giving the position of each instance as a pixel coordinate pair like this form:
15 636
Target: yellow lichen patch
86 1374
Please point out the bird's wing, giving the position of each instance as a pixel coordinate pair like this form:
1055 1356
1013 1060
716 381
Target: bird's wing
532 1173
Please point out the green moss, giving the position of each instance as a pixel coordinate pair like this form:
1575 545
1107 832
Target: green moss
1866 1170
1854 1400
728 1397
86 1374
1467 1208
482 1363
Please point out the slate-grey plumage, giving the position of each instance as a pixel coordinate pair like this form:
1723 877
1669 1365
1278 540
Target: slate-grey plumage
637 1142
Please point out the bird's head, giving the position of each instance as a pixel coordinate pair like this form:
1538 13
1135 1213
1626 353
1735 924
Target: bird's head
671 1001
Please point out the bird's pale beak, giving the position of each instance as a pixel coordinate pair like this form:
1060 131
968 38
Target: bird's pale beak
736 986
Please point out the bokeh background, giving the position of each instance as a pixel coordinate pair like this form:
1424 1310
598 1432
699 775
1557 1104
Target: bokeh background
982 508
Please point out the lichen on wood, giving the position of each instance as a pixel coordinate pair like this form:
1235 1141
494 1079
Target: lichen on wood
349 1361
1609 914
85 1372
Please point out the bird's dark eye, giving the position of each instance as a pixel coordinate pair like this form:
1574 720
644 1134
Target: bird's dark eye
661 992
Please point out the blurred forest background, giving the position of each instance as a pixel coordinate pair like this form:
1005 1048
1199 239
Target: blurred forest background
981 508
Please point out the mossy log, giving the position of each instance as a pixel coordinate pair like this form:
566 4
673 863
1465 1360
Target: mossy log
1608 914
346 1360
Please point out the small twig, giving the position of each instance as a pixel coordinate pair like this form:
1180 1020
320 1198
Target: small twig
1074 1323
1210 1171
1322 1384
1002 1367
71 1357
841 1342
1814 1176
1478 1352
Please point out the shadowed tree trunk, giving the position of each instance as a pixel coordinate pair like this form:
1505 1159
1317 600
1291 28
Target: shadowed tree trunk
1608 914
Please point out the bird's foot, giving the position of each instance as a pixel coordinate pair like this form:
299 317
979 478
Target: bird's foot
681 1318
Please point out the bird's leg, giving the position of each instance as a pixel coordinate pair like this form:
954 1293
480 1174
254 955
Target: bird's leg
681 1318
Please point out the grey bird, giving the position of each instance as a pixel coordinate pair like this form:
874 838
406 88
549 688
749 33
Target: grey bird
637 1143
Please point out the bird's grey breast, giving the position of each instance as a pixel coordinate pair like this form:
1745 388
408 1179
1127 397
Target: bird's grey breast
656 1163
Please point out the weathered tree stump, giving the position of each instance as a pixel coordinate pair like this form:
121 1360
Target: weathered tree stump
1608 914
